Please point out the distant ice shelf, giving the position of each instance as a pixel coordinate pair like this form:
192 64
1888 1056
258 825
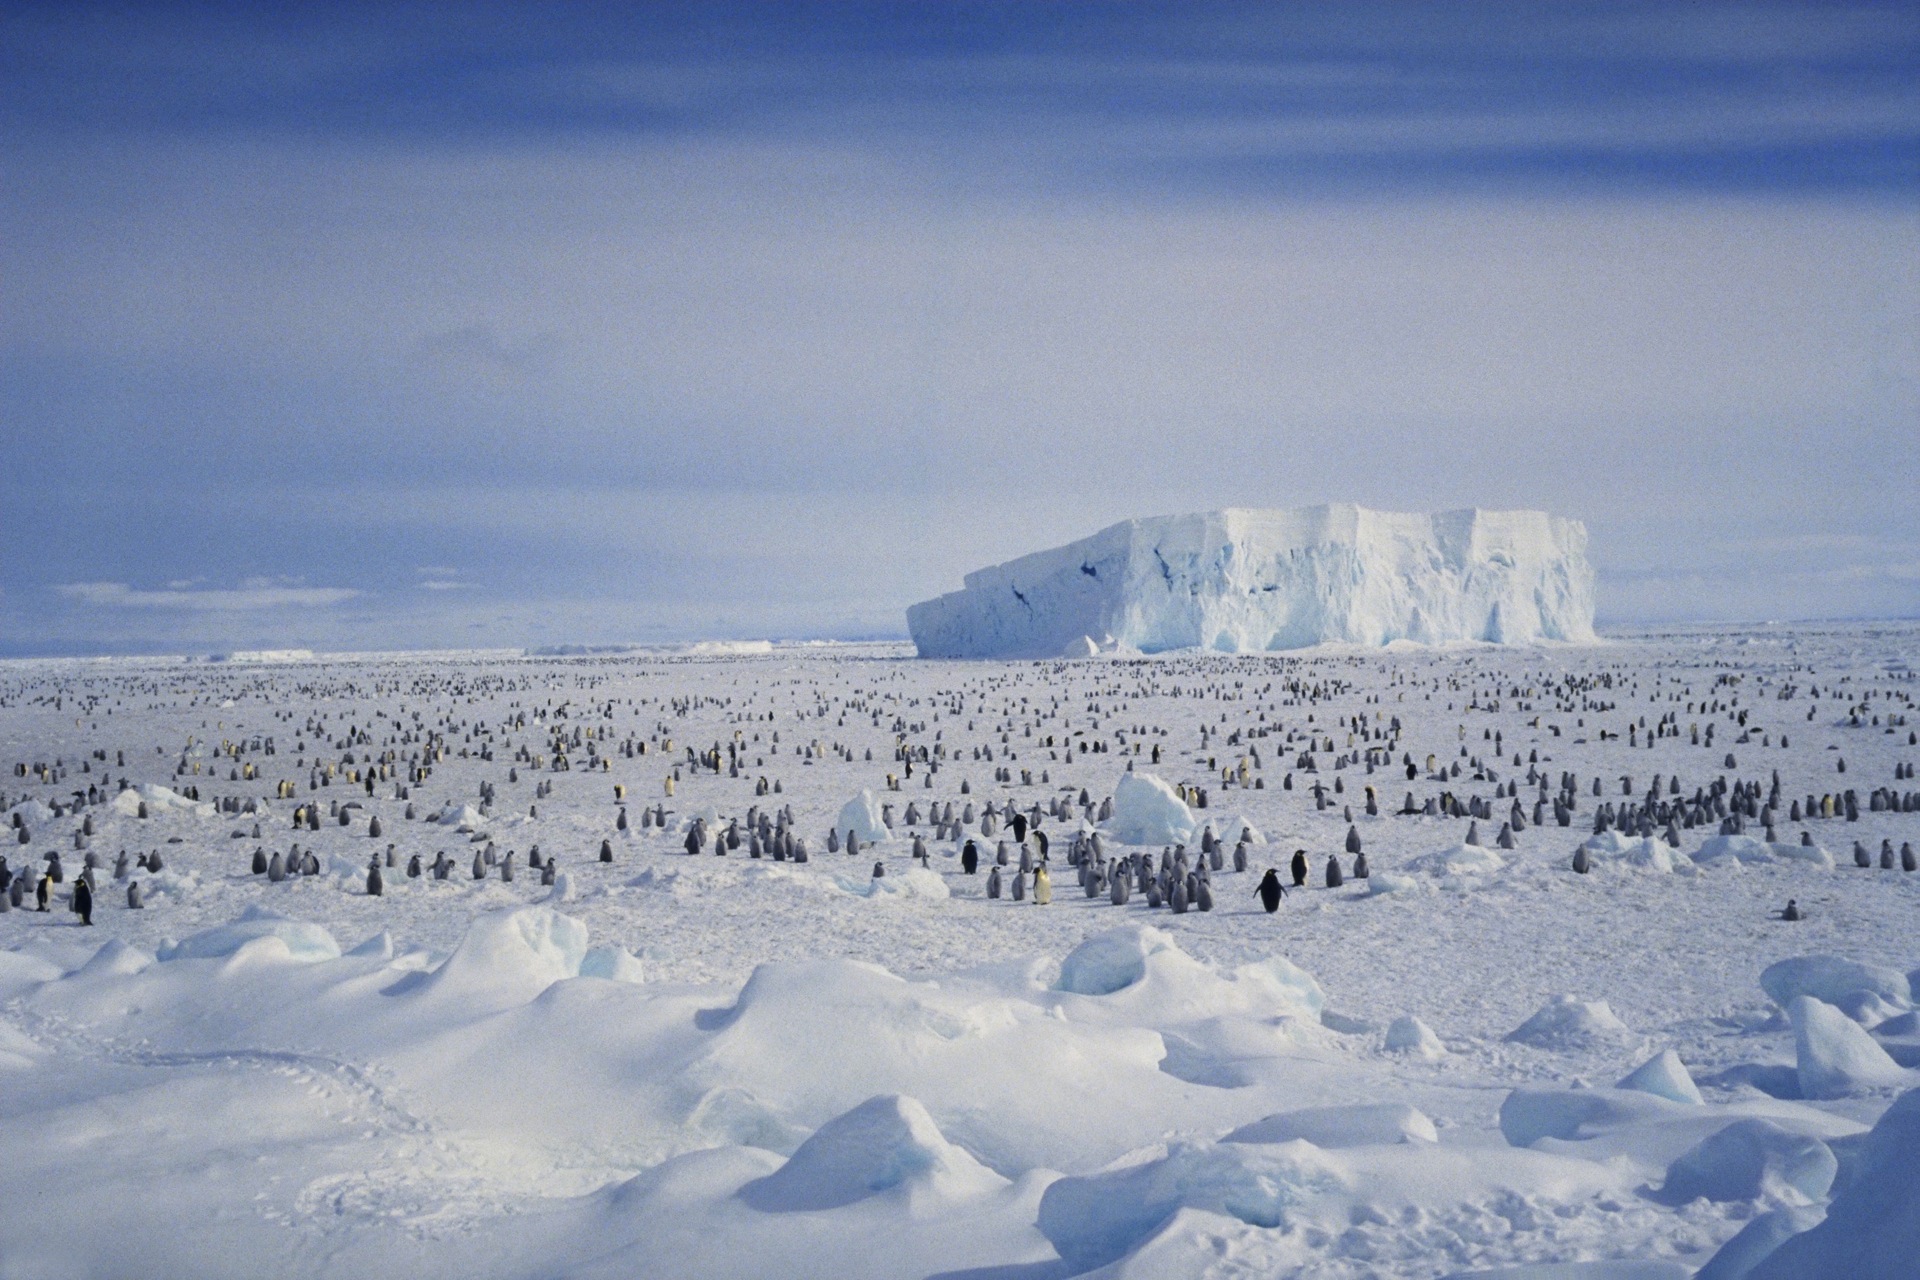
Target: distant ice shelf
1245 581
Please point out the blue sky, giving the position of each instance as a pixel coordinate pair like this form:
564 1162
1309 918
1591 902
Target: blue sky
406 326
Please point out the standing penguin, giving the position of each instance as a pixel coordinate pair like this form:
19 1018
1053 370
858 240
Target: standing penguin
1177 896
83 900
276 868
993 883
259 861
44 891
1580 863
374 881
1299 867
970 858
1203 895
1042 886
135 900
413 867
1792 912
1334 878
1019 887
1117 888
1360 871
1270 891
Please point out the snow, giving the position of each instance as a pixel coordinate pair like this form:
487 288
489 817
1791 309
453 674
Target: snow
1147 810
1242 581
672 1065
862 817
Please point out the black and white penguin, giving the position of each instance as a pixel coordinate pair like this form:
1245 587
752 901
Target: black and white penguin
43 892
135 899
1299 867
969 858
1270 891
1042 886
82 902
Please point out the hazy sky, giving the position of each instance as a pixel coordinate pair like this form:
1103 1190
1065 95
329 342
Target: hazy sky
503 324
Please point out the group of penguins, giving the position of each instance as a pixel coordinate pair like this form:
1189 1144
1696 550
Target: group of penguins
14 884
486 862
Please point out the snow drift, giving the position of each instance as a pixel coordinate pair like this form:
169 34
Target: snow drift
1245 580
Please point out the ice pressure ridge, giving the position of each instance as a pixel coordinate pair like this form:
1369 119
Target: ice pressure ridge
1242 580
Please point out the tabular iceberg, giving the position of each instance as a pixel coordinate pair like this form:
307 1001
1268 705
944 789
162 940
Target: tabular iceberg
1244 581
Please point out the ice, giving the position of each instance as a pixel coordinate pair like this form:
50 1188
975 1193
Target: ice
1646 853
1457 867
1356 1125
301 940
1749 1159
1833 979
159 800
1834 1056
862 817
1567 1022
1760 1237
616 964
1664 1076
1244 581
508 956
884 1143
1147 810
900 885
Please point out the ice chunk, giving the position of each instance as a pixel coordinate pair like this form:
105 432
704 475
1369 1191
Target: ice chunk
1566 1022
1148 811
1835 1057
1248 580
1357 1125
1664 1076
1528 1115
884 1143
1456 861
1407 1034
1739 1256
1732 851
158 800
862 817
304 941
1111 961
1832 979
1648 853
1748 1159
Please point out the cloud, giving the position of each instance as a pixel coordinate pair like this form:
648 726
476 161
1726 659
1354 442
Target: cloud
441 584
256 595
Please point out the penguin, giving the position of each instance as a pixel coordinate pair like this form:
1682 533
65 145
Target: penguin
970 858
879 870
479 867
374 881
1792 912
44 891
1299 868
1019 886
1042 886
1177 899
1360 871
993 883
413 867
276 868
83 901
136 900
259 862
1270 891
1334 878
1580 863
1907 862
1240 856
1203 895
1117 888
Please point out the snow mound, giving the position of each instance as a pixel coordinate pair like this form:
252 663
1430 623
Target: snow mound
861 816
302 941
510 956
1748 1159
1331 1128
1111 961
1872 1227
1833 980
1095 1219
1567 1022
616 964
115 959
1244 581
896 886
1664 1076
1146 810
461 815
885 1143
1745 849
1408 1035
159 800
1456 861
1834 1056
1646 853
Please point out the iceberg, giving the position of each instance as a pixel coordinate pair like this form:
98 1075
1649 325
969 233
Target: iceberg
1243 581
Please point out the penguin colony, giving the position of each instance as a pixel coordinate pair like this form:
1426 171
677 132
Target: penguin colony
999 776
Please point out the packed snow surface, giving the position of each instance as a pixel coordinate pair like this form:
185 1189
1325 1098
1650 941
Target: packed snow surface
737 1062
1246 581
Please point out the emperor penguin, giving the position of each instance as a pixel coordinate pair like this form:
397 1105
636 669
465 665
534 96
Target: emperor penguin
1334 878
259 861
1299 867
1270 891
993 883
1042 886
375 883
135 899
276 868
969 858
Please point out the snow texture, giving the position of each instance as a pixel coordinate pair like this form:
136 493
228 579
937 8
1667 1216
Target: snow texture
1244 581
